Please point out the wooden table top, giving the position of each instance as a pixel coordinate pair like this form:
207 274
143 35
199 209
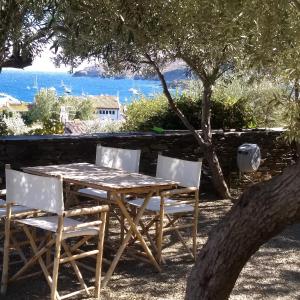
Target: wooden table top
108 179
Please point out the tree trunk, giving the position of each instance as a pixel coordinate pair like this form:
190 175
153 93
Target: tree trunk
209 153
297 89
217 174
262 212
205 141
206 112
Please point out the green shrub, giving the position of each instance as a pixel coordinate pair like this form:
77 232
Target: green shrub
268 101
45 107
78 107
3 126
292 121
253 103
144 114
51 126
48 105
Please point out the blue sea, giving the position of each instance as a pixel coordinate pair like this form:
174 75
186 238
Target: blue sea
23 85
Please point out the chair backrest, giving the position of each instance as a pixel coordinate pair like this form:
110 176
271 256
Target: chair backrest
37 192
117 158
187 173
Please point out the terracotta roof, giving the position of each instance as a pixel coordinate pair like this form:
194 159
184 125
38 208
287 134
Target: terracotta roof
75 127
105 101
102 101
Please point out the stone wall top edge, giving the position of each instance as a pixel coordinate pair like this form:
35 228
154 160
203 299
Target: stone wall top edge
168 133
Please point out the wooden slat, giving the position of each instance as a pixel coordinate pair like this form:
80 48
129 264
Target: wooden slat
78 256
76 293
86 211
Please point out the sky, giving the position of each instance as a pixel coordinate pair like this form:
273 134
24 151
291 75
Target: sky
43 63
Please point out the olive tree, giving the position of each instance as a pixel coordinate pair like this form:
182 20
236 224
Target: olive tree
25 27
145 37
271 46
212 37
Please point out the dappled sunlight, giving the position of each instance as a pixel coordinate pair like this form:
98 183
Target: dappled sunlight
117 158
183 171
101 177
35 192
272 272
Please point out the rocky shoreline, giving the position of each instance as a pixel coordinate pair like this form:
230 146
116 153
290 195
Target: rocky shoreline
173 72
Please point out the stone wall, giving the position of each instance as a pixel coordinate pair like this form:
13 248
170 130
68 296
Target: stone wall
43 150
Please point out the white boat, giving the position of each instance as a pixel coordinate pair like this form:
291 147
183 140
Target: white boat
134 91
67 90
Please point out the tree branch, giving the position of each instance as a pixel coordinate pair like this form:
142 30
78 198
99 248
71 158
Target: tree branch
172 104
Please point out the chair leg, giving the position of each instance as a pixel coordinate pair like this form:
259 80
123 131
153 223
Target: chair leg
6 251
99 256
107 225
56 258
196 215
75 268
180 237
122 221
160 231
145 231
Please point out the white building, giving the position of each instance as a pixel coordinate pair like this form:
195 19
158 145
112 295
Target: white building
7 100
10 103
107 107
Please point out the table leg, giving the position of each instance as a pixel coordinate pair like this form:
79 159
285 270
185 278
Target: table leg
133 228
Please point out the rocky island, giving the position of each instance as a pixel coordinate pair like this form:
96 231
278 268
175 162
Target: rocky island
175 71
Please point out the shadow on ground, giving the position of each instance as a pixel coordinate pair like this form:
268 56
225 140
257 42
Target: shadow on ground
272 273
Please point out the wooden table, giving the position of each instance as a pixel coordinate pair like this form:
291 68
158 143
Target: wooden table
118 183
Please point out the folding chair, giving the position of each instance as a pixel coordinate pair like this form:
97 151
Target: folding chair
46 194
17 211
116 158
164 208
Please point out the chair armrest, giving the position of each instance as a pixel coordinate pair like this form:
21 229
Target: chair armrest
83 225
86 211
179 191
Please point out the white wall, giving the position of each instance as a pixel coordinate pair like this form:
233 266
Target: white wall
104 114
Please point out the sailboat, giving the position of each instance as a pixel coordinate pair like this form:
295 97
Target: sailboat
133 91
35 83
67 90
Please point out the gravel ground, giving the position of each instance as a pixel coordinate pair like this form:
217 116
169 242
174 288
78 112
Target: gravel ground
272 273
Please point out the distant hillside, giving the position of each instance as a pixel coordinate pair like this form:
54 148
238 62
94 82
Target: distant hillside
175 71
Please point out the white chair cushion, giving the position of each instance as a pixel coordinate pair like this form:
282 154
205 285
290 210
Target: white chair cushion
93 192
50 224
14 210
2 202
154 205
